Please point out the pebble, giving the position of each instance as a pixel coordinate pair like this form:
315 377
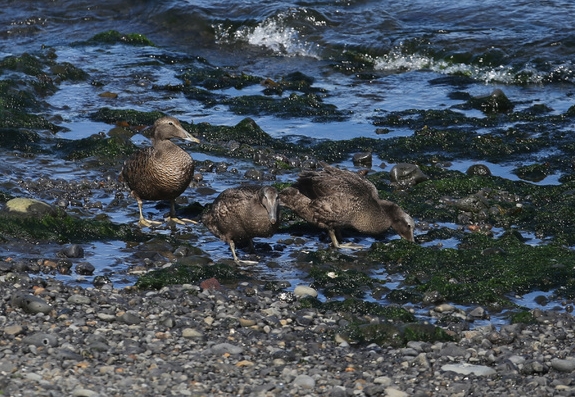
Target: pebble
30 303
304 381
467 369
301 290
563 365
185 341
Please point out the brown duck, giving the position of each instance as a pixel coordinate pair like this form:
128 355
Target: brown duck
242 213
335 199
162 171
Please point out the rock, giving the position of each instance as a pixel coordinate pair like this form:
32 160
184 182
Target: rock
391 392
467 369
31 304
479 170
85 269
130 318
40 339
15 329
304 381
77 299
191 333
405 175
563 365
222 348
301 290
72 251
247 322
363 158
25 207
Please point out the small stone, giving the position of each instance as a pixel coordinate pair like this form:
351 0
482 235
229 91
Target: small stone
247 322
383 380
31 304
391 392
563 365
301 290
106 317
467 369
304 381
77 299
478 312
28 208
245 363
130 318
84 393
13 329
210 283
191 333
222 348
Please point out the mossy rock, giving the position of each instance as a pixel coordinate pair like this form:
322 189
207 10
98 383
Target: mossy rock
186 274
246 131
132 117
64 229
115 37
96 145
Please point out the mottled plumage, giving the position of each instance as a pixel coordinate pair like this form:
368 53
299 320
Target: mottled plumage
162 171
242 213
336 199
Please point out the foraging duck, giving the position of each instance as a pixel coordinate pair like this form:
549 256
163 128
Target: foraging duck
162 171
239 214
334 199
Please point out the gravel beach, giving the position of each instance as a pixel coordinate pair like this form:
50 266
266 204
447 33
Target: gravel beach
183 340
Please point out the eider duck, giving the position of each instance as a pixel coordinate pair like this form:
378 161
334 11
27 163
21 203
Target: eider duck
162 171
242 213
335 199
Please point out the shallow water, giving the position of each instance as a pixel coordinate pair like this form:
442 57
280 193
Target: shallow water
524 48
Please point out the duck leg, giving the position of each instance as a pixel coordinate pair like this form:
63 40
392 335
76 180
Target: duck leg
143 221
336 244
233 248
174 218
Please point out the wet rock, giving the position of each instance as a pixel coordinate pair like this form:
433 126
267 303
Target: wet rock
363 158
85 269
254 174
479 170
100 281
496 102
25 207
474 203
404 175
72 251
31 304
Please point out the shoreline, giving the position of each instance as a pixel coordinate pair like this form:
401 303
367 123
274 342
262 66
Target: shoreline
182 340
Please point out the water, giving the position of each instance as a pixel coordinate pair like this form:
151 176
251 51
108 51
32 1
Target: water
372 57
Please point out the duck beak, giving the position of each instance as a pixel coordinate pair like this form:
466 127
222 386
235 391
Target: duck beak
189 137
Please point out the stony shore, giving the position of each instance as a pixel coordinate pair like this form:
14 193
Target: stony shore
183 340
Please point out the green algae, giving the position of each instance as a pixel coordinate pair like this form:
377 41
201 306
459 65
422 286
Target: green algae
187 274
130 116
64 229
338 282
115 37
482 270
95 145
294 105
370 322
215 78
246 132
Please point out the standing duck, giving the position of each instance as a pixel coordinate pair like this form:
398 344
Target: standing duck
162 171
335 199
239 214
